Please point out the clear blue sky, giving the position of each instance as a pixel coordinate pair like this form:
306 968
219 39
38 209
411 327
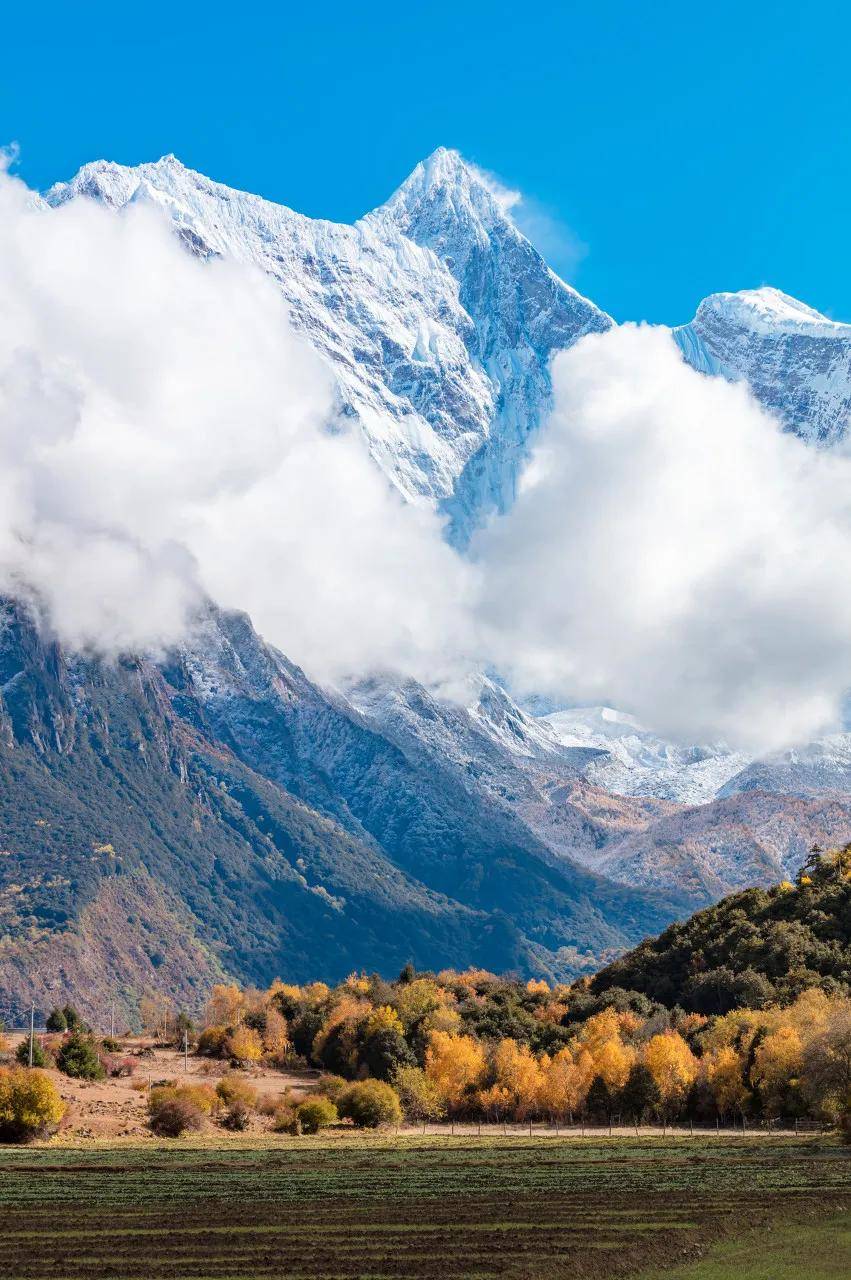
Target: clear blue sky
688 148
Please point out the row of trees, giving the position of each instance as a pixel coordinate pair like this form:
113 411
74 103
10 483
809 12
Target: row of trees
474 1045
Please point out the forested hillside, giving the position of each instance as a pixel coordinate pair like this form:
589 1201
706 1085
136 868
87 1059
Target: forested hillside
751 948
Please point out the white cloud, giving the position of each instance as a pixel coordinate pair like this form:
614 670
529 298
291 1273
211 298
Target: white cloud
674 553
163 434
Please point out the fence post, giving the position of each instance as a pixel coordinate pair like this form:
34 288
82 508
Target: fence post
530 1128
691 1126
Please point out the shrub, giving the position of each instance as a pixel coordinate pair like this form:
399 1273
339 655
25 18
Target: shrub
56 1020
235 1088
315 1114
211 1042
122 1067
30 1105
203 1096
419 1095
287 1120
78 1057
268 1103
369 1104
171 1116
110 1044
236 1116
41 1058
331 1086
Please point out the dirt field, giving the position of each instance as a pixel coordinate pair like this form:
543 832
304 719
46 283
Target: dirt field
114 1108
404 1208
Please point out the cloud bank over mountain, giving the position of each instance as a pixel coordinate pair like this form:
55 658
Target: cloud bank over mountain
165 434
672 551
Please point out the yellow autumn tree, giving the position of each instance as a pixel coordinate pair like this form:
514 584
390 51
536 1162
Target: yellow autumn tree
725 1077
276 1040
777 1064
456 1064
224 1006
601 1038
244 1045
673 1066
516 1070
417 999
565 1083
384 1018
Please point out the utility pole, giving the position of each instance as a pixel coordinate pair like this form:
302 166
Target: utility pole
112 1021
32 1031
185 1051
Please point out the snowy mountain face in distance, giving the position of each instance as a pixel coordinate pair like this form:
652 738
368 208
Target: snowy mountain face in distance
437 317
796 361
628 760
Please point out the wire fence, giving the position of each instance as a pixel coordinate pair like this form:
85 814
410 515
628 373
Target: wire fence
782 1126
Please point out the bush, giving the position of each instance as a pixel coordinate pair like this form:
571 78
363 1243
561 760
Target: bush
56 1020
171 1116
202 1096
122 1067
211 1042
315 1114
41 1058
420 1097
78 1057
331 1086
235 1088
286 1120
369 1104
30 1105
237 1116
110 1045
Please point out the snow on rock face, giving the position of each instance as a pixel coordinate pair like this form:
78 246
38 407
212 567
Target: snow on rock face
436 315
796 361
627 760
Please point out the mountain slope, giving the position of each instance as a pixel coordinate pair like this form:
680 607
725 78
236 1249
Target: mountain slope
162 824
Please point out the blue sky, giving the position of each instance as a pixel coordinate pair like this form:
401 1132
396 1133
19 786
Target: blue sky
666 152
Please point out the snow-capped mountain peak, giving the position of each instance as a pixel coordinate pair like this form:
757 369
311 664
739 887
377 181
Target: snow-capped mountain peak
435 314
796 361
770 312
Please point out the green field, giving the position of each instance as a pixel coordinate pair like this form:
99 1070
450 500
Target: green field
413 1207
